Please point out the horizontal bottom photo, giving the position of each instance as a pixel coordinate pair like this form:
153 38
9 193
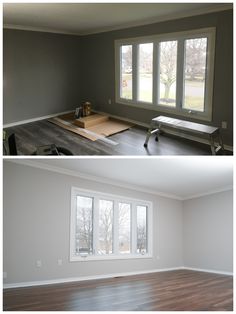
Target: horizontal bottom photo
118 234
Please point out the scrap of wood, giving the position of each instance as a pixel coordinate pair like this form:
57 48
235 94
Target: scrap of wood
99 131
110 127
73 128
91 120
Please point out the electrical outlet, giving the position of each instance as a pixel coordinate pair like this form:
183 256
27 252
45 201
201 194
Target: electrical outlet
59 262
39 263
109 101
4 275
224 124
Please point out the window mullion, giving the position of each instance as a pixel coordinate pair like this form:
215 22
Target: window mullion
155 70
135 72
95 225
180 75
134 228
116 228
73 223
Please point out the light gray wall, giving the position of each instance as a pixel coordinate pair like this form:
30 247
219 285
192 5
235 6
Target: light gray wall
99 67
41 74
36 226
208 232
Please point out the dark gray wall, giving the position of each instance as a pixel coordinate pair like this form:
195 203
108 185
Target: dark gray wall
41 74
48 73
99 67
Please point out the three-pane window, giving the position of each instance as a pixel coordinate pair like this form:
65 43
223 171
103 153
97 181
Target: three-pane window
108 226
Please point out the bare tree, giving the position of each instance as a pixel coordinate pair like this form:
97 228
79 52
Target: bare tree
124 221
195 57
84 229
126 57
105 228
145 57
141 238
168 56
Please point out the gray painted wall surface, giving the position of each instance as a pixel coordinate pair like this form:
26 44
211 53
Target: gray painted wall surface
99 67
48 73
37 219
41 74
208 232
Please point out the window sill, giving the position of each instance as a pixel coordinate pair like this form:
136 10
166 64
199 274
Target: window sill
106 258
166 109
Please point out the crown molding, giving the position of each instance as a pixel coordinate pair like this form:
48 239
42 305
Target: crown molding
38 29
164 18
215 191
33 162
190 13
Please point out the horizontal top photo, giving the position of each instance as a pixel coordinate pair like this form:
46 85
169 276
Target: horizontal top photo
118 79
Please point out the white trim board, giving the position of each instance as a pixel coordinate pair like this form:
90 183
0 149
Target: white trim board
224 189
33 162
219 272
96 277
85 278
9 125
146 125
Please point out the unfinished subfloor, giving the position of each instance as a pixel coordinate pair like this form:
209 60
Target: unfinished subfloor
129 142
180 290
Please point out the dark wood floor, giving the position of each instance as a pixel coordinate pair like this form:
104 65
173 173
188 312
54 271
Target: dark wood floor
181 290
130 142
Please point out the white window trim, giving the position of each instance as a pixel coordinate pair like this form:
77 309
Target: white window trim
178 110
116 198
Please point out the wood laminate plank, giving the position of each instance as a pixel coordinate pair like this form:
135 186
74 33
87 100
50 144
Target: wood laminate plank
130 142
180 290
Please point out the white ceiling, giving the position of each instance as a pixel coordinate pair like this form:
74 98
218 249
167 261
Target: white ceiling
87 18
180 178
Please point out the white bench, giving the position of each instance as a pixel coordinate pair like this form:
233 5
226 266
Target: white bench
211 132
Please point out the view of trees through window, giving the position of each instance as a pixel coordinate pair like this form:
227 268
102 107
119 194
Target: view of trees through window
84 225
168 68
145 59
126 72
194 73
104 227
141 229
124 227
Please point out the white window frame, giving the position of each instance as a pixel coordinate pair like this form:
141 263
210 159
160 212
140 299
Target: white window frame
116 199
156 39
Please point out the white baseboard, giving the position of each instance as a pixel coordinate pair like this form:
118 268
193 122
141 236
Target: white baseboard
169 131
9 125
84 278
146 125
95 277
220 272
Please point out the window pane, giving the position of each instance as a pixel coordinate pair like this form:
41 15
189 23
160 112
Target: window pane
105 243
145 72
168 68
141 229
84 225
195 73
126 72
124 228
